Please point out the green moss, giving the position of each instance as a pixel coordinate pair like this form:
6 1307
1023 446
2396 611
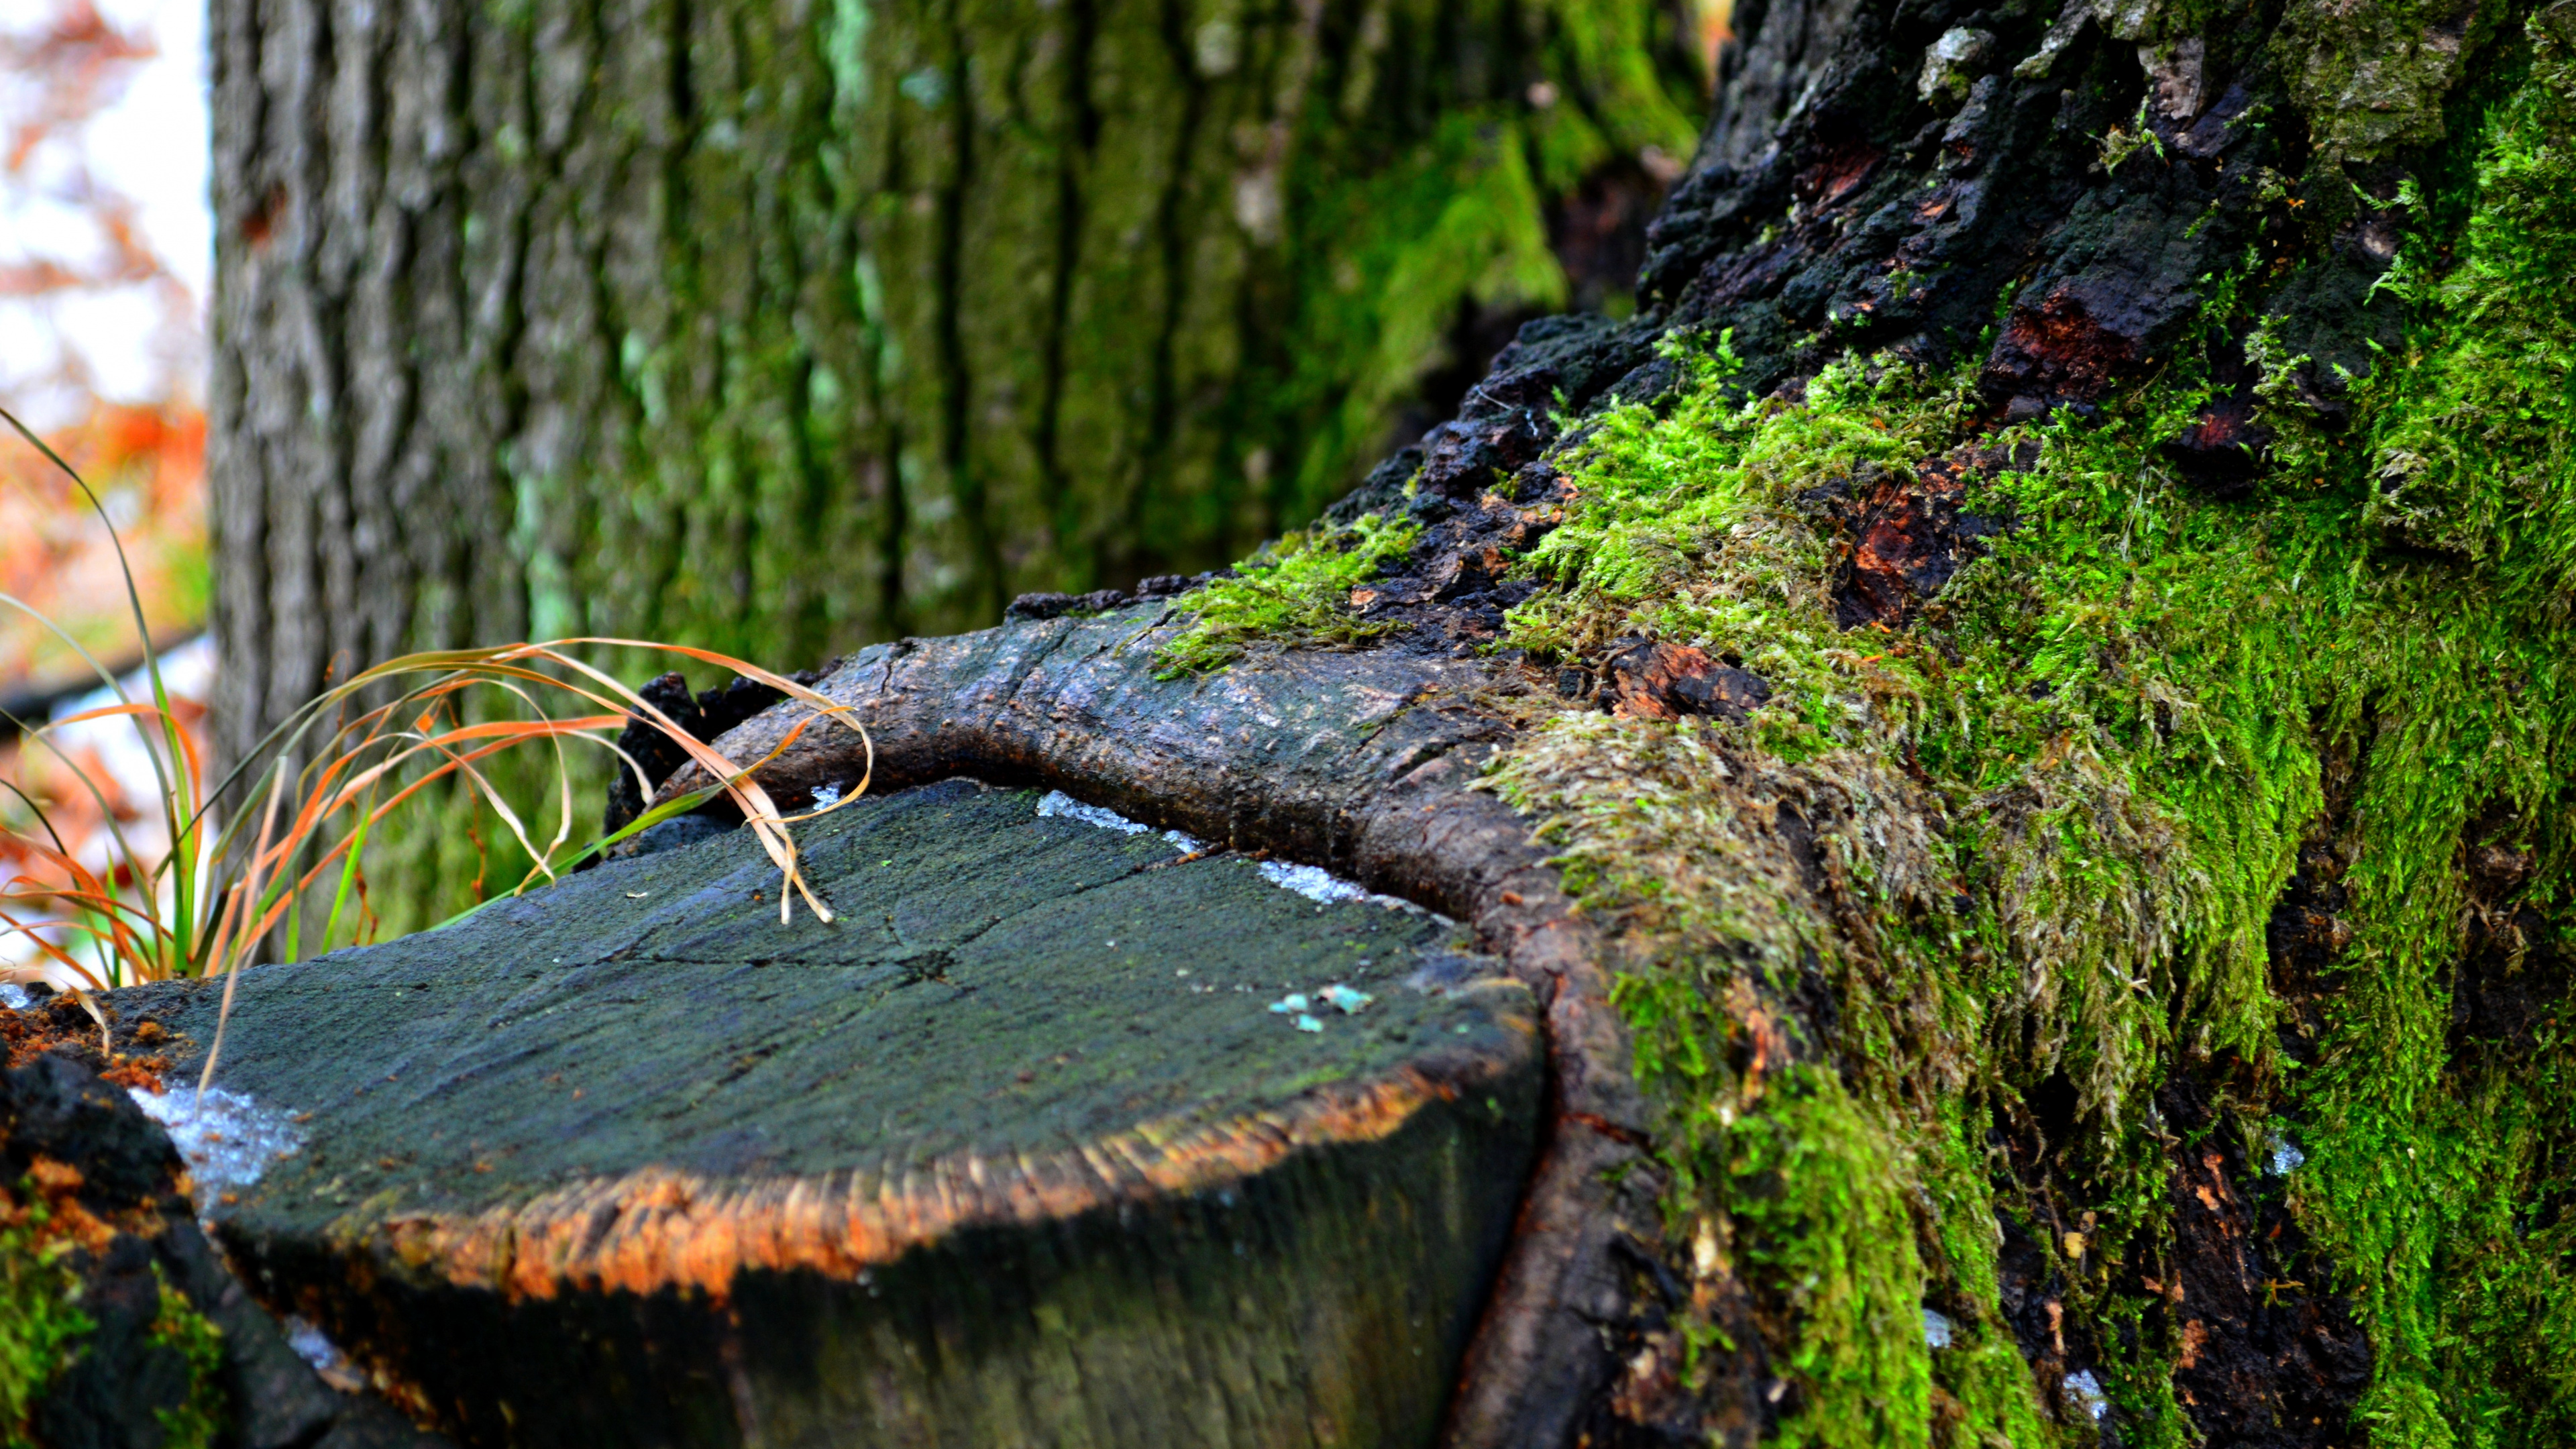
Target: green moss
1387 253
1818 1202
2435 1179
42 1326
2054 816
1388 264
1295 591
40 1319
198 1421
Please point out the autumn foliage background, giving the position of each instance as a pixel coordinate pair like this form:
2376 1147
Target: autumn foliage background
101 352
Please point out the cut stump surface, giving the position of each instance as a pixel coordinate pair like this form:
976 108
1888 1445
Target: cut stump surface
1016 1151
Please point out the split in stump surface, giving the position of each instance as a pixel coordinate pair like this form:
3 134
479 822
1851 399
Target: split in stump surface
1016 1151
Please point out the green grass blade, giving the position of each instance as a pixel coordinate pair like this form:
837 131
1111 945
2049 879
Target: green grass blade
349 870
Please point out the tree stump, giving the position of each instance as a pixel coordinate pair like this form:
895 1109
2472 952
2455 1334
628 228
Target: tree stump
1062 1132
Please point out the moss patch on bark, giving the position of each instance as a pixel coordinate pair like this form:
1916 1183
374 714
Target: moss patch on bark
40 1318
1295 591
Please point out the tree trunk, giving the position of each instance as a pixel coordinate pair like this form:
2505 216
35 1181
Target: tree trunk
778 328
2015 717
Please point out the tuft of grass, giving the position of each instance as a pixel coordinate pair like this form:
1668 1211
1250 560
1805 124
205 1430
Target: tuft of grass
248 850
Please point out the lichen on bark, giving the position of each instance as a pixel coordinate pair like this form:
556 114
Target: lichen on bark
2373 77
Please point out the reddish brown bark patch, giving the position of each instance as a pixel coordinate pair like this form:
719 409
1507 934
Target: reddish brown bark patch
2058 350
1667 681
2225 448
1837 171
2222 450
1909 536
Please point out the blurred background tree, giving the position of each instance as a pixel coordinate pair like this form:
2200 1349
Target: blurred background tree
781 327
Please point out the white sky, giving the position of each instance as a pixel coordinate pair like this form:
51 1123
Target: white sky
150 144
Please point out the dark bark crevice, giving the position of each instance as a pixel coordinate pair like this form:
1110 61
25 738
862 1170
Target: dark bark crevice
948 267
1072 170
2269 1355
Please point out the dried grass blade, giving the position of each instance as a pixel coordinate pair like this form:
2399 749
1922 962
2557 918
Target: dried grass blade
232 968
759 811
32 933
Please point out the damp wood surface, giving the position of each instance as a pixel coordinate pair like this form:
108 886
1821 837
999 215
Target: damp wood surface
1372 762
1014 1151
